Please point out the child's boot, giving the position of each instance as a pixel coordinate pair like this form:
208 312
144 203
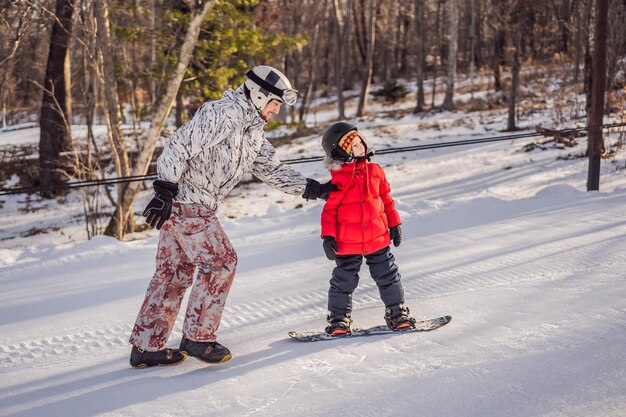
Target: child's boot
339 324
398 318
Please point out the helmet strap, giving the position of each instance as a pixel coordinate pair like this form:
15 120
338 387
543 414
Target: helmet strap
246 91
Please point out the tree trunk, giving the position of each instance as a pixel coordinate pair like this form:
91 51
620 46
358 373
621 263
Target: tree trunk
359 31
453 46
514 34
616 44
479 31
112 114
515 71
438 54
563 16
419 54
497 58
472 39
594 136
339 58
55 122
308 90
367 79
588 62
577 40
162 110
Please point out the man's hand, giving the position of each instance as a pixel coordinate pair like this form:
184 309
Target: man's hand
330 247
159 208
315 190
395 233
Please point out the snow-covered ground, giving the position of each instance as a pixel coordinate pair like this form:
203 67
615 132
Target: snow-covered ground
509 243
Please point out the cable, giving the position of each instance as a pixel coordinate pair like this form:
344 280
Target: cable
119 180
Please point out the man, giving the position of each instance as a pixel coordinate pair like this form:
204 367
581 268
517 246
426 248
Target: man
199 166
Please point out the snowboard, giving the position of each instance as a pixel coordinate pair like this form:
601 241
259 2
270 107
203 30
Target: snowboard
420 326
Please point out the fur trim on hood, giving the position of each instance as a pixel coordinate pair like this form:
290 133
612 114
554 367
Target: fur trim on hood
332 164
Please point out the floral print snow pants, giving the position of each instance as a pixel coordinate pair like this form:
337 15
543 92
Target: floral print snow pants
192 244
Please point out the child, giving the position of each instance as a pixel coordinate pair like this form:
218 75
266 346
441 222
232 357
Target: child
359 220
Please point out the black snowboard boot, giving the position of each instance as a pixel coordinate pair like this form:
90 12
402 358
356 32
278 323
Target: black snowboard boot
210 352
339 324
398 318
166 357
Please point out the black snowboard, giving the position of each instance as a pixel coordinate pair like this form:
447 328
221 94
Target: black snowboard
420 326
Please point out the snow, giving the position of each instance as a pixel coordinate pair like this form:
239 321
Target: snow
529 265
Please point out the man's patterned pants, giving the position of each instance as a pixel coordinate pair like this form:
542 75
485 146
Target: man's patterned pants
192 244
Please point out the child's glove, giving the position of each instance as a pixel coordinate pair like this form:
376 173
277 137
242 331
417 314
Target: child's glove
159 208
330 247
395 233
315 190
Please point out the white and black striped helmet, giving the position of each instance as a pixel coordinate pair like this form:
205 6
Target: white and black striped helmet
266 83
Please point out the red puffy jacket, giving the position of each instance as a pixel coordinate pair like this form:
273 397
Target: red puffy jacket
360 214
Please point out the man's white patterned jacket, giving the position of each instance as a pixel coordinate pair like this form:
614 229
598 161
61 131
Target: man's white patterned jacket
224 141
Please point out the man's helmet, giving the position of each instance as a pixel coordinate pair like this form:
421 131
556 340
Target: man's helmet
266 83
330 140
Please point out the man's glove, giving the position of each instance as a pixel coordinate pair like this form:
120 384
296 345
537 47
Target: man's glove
330 247
395 233
316 190
159 208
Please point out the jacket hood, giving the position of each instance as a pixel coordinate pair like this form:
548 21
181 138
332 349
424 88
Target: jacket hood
251 113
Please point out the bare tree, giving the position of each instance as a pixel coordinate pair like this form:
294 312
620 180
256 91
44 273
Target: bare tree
124 211
576 7
341 20
312 65
471 33
510 16
436 48
112 113
369 65
616 46
55 120
497 51
594 136
14 28
419 54
453 46
516 65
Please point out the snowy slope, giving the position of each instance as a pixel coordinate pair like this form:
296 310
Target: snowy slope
530 266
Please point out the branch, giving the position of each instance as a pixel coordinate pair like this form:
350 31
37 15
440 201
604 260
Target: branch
21 28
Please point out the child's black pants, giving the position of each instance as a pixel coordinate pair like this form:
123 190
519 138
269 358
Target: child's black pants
345 279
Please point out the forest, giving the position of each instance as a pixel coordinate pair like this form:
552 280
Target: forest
142 67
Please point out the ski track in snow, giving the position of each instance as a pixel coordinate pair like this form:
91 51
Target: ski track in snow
510 270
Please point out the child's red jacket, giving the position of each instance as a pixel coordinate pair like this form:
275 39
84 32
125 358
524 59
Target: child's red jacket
357 217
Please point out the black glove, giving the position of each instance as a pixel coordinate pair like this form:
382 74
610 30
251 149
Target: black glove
395 233
159 208
330 247
316 190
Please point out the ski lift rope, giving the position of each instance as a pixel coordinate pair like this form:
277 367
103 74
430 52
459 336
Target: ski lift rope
120 180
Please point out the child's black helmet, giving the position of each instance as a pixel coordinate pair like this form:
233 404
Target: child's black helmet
331 138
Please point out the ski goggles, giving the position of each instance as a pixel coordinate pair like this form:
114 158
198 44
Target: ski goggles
287 95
